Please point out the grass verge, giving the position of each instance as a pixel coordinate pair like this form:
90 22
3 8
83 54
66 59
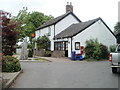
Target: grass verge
41 59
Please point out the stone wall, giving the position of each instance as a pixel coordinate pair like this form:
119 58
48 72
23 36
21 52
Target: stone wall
58 54
39 53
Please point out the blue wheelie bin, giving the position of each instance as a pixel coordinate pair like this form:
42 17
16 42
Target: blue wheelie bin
79 57
73 55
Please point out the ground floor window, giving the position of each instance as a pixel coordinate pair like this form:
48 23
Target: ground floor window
61 46
77 45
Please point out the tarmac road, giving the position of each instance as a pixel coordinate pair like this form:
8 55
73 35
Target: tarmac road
66 75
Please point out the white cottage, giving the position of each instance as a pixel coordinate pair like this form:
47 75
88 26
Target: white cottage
67 32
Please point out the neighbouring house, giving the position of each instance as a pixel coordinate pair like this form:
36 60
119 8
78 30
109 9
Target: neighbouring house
67 32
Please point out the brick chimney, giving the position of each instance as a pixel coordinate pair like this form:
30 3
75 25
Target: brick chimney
69 7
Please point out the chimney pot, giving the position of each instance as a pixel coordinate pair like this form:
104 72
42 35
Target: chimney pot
67 3
69 7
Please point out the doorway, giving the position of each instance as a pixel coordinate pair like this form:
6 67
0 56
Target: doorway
62 46
66 49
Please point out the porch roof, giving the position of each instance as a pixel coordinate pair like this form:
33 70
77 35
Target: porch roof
74 29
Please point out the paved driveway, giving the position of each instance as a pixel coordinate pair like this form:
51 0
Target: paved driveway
66 75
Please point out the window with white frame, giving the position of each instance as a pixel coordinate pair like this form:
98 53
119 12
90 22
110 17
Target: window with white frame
77 45
49 31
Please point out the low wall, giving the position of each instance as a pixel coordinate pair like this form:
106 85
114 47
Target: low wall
58 54
41 53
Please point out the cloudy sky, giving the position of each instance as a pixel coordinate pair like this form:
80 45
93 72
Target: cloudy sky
83 9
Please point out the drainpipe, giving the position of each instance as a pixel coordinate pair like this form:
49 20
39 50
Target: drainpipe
54 38
54 30
71 44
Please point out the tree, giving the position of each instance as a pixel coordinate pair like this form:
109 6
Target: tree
9 35
37 18
30 22
9 39
25 27
117 28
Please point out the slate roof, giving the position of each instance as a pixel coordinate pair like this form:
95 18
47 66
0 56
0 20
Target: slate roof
74 29
57 19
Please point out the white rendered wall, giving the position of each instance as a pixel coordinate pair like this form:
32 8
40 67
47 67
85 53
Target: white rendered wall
97 30
64 23
106 38
37 34
69 47
45 31
60 26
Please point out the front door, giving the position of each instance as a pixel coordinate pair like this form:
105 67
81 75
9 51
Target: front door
66 49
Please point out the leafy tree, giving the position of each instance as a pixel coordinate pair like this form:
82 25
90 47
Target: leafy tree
9 39
25 27
43 43
37 18
29 22
9 36
117 28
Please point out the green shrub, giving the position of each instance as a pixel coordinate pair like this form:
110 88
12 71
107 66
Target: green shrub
95 50
43 43
112 48
89 48
47 53
104 52
30 53
30 46
97 53
10 64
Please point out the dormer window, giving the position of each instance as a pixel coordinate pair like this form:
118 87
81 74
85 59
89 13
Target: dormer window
49 31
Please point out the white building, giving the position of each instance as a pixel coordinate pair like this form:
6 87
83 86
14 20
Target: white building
67 32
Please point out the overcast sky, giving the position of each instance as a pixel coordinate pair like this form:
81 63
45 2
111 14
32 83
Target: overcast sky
83 9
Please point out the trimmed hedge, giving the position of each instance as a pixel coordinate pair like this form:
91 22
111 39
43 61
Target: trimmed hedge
10 64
